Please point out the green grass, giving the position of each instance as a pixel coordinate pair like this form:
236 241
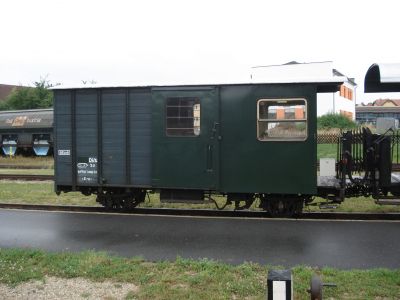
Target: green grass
360 204
39 193
326 151
190 279
330 151
28 171
43 193
45 162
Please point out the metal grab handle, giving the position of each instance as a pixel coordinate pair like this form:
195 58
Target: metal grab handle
214 130
209 158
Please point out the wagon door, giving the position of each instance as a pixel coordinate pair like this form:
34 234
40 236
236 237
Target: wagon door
185 138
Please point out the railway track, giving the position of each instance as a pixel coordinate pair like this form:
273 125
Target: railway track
26 177
26 167
204 212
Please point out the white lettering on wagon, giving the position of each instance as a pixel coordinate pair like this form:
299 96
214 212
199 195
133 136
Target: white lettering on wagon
82 165
64 152
87 169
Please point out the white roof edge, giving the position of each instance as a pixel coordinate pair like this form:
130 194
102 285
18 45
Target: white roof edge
382 78
389 72
26 110
329 80
294 64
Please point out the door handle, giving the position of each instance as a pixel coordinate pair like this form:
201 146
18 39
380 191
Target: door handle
214 130
209 158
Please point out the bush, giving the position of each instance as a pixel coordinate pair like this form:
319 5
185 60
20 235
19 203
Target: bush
29 97
329 121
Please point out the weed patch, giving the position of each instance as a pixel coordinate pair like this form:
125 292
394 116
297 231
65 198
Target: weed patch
188 279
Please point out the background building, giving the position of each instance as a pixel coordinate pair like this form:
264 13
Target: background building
341 102
381 108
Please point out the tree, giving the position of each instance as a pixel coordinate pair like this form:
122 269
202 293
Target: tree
329 121
38 96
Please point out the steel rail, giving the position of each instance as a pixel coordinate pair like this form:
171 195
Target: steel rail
204 212
26 177
27 167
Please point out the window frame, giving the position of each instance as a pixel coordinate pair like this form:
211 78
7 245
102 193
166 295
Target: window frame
283 139
166 117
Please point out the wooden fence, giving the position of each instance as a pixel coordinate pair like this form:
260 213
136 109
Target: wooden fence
328 137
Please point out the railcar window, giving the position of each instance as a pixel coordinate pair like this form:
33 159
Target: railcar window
281 119
183 116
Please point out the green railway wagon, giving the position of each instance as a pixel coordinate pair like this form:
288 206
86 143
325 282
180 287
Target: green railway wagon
189 142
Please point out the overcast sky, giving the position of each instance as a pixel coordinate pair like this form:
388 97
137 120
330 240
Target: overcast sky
123 42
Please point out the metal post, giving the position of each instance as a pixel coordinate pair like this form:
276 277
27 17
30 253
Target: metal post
280 285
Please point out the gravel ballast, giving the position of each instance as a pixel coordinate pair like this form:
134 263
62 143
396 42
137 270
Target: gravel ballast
75 288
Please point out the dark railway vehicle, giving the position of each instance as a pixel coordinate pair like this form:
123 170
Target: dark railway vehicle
369 156
245 141
26 131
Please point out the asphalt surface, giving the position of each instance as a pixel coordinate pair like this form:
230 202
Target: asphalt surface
341 244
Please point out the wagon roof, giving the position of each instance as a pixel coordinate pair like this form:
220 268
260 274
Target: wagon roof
28 111
324 85
34 118
382 78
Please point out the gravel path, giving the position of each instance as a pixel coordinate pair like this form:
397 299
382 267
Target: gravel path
76 288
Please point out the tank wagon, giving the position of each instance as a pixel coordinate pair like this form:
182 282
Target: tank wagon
26 130
245 141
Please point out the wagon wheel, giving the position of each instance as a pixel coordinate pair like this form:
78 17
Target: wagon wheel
130 201
284 208
108 202
123 201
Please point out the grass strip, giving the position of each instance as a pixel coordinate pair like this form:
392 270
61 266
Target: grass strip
190 279
43 193
45 162
35 192
28 171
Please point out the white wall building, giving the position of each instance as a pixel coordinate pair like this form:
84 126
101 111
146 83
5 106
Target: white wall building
341 102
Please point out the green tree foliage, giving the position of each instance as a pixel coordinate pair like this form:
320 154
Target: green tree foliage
38 96
329 121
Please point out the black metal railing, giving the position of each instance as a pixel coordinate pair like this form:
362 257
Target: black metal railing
395 146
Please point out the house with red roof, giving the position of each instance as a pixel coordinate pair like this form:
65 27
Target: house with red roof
380 108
